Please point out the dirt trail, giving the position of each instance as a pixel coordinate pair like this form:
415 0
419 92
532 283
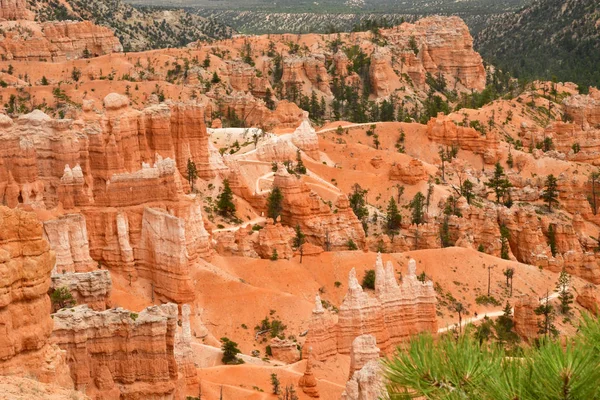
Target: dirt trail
493 314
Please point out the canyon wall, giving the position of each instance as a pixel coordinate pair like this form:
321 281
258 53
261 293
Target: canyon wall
525 319
118 354
56 41
13 10
118 174
318 222
25 323
90 288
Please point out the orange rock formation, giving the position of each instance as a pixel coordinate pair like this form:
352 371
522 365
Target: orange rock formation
366 377
318 222
589 300
364 349
394 314
90 288
308 382
25 324
118 354
526 321
56 41
93 165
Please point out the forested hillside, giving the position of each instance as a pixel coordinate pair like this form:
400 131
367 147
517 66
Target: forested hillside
138 28
548 39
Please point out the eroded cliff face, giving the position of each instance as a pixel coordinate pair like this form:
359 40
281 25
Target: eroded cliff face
525 319
56 41
305 75
68 238
364 350
12 10
119 173
394 314
25 323
117 354
444 131
248 243
254 112
119 176
45 161
318 222
22 39
90 288
399 59
366 376
588 299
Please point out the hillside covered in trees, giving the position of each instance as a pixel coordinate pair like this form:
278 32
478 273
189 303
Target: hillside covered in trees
138 28
549 38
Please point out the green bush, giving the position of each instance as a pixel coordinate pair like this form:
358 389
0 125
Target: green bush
368 281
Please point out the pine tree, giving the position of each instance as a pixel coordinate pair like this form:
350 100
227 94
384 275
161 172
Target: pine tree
451 207
547 144
299 241
269 102
192 172
215 78
451 367
509 273
550 194
460 309
376 141
417 205
552 239
564 292
368 281
300 168
275 383
594 179
225 205
289 393
546 325
504 326
499 183
504 247
443 157
275 204
467 191
76 74
394 219
358 202
430 188
62 298
400 142
230 351
445 233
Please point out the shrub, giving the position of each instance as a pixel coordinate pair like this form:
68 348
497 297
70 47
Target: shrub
230 352
62 298
368 281
486 300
